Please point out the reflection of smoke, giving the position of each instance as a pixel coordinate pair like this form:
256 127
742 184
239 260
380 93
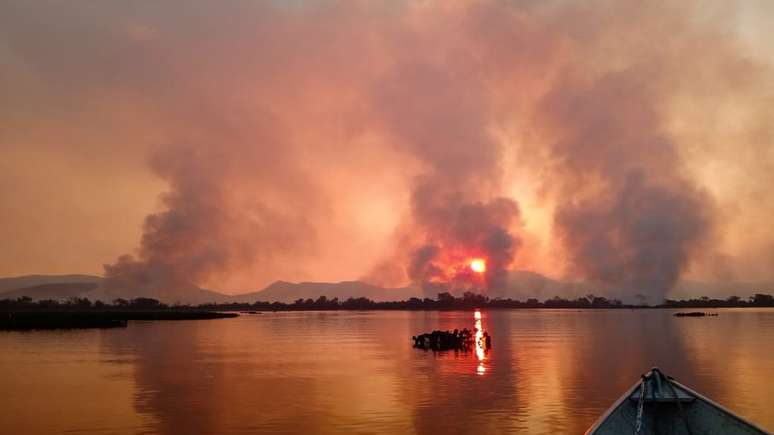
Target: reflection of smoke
187 388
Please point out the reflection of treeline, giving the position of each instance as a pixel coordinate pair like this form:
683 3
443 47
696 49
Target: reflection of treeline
444 301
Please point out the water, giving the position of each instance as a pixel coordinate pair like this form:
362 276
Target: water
330 372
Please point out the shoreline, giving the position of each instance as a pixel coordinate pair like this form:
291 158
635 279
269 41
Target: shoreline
63 318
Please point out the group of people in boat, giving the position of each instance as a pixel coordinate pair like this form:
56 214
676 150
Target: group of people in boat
452 340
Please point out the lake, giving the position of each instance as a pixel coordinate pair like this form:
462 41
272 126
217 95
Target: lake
549 371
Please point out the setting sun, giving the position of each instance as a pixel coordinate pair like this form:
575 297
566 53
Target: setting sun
478 265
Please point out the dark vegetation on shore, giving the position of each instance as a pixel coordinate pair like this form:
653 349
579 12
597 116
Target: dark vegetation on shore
138 309
757 300
24 313
446 301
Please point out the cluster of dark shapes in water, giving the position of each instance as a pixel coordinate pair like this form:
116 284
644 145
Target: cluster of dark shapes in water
695 314
455 340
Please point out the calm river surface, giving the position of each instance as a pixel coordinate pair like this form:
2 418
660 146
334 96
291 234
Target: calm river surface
550 371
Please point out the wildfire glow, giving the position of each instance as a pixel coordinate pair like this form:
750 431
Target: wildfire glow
478 265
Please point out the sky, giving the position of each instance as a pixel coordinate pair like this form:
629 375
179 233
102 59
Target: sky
231 144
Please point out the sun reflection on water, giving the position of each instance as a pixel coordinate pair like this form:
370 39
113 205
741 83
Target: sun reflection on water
480 350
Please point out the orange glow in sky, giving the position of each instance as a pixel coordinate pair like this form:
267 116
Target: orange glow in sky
478 265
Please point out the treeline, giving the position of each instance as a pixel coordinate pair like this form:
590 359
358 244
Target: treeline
757 300
444 301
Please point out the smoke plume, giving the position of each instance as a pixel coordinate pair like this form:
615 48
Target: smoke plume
210 224
441 116
628 218
620 143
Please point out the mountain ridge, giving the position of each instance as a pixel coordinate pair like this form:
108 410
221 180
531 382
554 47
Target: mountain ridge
522 285
13 283
54 291
284 291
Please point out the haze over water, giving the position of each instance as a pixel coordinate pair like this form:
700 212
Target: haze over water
327 372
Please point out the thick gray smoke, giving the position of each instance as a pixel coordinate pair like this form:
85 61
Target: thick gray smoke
295 105
637 238
628 219
212 223
456 232
441 115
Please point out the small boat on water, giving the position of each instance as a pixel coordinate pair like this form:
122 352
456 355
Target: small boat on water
660 405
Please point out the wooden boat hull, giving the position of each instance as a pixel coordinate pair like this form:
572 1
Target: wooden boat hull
695 415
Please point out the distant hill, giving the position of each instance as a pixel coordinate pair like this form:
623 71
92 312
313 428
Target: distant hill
181 294
521 285
59 287
55 291
20 282
283 291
